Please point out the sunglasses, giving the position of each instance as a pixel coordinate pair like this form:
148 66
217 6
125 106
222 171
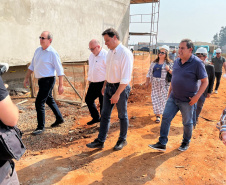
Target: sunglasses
200 55
163 53
42 38
92 49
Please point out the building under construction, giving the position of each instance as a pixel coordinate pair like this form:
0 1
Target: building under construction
73 24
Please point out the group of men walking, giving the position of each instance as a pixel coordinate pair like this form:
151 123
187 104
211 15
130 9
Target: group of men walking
109 76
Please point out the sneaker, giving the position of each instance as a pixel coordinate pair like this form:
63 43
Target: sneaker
37 131
158 146
120 144
57 123
95 144
183 147
93 121
216 91
157 119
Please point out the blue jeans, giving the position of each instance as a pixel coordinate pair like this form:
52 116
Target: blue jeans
171 109
198 108
45 96
107 109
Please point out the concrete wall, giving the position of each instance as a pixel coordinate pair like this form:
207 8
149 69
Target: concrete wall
73 24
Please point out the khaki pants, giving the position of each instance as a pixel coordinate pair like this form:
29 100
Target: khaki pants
8 174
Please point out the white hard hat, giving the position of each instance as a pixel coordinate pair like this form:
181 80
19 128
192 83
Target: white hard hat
218 50
164 47
201 50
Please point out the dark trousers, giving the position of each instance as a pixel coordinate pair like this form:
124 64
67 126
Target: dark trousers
107 109
218 77
94 91
45 96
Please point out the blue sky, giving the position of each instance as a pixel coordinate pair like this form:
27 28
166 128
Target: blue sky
198 20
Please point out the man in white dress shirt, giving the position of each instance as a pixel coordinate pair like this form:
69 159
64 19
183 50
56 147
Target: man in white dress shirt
96 77
116 89
45 63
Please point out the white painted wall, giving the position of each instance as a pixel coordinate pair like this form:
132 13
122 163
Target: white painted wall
73 24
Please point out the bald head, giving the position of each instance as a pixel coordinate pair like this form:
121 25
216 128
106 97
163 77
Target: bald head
94 46
45 39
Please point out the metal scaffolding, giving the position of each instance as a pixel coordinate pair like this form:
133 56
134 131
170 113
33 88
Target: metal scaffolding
151 19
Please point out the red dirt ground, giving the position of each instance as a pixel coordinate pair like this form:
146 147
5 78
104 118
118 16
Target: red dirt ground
203 163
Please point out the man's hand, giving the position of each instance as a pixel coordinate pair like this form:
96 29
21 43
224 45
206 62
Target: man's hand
60 90
102 90
194 99
114 99
26 83
208 95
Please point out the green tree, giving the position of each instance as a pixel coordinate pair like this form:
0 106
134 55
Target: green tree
215 39
222 36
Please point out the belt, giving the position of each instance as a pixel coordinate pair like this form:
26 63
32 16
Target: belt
113 84
47 77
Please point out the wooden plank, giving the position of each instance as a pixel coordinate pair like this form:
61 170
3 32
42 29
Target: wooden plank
143 1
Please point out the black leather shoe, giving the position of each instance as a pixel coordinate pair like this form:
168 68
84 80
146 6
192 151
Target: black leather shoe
95 144
120 144
57 123
93 121
37 131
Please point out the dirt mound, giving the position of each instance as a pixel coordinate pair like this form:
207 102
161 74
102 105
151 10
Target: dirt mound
59 155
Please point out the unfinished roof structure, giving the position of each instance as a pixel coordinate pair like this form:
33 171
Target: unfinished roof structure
142 1
152 19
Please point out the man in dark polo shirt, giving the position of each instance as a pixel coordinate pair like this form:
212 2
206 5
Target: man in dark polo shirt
187 70
8 115
218 62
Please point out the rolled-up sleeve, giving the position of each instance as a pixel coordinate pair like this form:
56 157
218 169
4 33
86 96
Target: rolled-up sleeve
126 67
57 64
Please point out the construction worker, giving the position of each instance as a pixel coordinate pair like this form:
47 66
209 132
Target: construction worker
45 63
116 89
96 77
218 62
202 54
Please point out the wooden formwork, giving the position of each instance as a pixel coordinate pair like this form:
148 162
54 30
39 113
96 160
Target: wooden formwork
75 83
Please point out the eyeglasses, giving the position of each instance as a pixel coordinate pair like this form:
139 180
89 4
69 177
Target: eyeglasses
163 53
200 55
92 49
42 38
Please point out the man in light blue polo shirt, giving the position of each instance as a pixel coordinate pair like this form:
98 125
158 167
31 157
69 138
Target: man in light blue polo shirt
187 70
45 63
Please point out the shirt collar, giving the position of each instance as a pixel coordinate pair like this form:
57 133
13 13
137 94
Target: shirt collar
49 48
189 60
101 53
117 48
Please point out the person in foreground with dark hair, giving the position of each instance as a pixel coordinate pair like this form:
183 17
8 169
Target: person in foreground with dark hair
116 89
9 116
187 70
45 63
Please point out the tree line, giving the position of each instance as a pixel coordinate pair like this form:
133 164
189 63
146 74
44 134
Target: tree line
220 38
